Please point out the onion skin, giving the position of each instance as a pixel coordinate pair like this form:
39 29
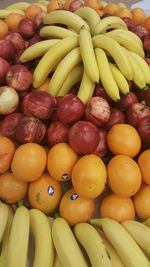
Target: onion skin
9 100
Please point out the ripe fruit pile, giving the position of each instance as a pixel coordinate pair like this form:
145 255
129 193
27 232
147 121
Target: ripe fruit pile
75 129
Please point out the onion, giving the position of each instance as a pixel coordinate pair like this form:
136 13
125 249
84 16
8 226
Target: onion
9 100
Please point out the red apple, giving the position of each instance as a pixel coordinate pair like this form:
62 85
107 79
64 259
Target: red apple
8 125
116 116
38 20
128 22
4 67
84 137
7 49
146 43
76 4
126 101
136 112
27 27
30 129
19 77
70 109
17 40
144 130
39 104
35 39
57 132
97 111
140 31
147 97
147 59
101 148
100 91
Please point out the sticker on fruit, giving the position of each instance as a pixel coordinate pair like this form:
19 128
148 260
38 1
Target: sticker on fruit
74 133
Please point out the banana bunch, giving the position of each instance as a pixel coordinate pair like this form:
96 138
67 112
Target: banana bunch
85 52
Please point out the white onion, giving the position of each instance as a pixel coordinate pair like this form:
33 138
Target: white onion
9 100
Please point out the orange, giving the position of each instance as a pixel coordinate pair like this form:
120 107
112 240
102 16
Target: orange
45 193
117 208
95 4
32 11
75 209
61 159
44 86
89 176
110 9
54 5
3 29
123 12
124 139
142 202
12 20
138 16
124 175
11 189
144 164
146 23
7 150
29 162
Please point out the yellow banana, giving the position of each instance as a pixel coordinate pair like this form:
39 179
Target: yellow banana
66 245
43 2
93 244
111 22
3 218
89 15
41 230
127 41
57 262
67 18
120 79
52 58
103 4
43 7
71 60
72 79
140 233
115 51
86 88
106 76
37 50
88 55
144 67
147 222
4 13
56 32
18 5
128 250
5 240
122 5
19 239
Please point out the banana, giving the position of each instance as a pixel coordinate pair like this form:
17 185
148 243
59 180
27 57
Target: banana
19 239
37 50
66 245
144 67
3 218
103 4
128 250
130 34
127 41
41 230
138 72
57 262
114 257
147 222
107 23
122 5
43 7
86 88
67 18
88 55
89 15
4 13
115 51
5 240
120 79
93 244
140 233
71 60
106 76
56 32
18 5
52 58
43 2
72 79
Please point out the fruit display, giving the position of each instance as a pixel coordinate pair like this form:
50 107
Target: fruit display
74 134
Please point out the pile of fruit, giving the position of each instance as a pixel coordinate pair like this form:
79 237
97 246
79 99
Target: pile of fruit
74 134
